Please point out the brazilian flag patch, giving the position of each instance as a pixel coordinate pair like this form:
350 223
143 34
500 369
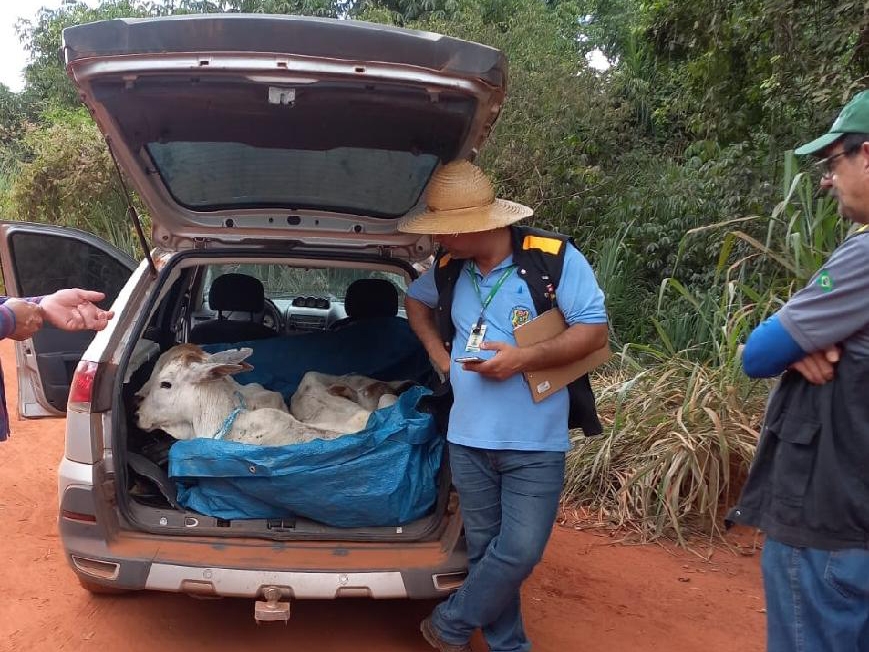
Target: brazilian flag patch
825 281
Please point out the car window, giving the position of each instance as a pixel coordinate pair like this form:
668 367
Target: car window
348 148
344 179
282 282
46 263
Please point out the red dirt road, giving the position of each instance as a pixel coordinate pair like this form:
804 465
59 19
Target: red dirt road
590 594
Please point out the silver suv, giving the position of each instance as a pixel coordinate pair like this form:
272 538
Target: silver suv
270 151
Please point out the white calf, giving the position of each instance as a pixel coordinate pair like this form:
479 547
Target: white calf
342 401
255 395
190 394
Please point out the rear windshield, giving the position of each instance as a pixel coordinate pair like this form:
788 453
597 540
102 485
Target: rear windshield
346 180
359 148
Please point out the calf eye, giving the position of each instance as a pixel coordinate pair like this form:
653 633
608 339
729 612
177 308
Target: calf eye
165 385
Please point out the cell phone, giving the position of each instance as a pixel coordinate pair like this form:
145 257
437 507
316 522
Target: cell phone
469 358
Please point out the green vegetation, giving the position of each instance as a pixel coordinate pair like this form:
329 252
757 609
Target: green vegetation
670 168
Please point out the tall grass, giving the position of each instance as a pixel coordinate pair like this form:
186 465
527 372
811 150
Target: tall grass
616 275
681 419
8 170
110 221
678 441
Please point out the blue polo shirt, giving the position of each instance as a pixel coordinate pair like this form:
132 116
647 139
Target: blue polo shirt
496 414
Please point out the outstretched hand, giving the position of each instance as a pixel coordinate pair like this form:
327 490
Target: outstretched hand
75 309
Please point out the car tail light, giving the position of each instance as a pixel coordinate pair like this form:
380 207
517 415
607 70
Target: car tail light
78 516
82 387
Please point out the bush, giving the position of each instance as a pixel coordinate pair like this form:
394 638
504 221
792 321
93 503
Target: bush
679 438
681 419
68 179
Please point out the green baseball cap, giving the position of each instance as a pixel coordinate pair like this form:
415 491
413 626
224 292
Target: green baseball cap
854 119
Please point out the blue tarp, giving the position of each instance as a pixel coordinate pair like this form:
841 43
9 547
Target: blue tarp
385 475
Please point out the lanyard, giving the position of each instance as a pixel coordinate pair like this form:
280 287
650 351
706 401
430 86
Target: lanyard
484 303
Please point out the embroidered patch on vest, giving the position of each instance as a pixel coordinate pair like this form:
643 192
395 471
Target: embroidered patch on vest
825 281
520 315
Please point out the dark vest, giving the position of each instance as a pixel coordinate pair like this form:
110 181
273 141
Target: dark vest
809 483
539 256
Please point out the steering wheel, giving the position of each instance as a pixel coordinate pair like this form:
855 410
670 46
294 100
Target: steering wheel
272 317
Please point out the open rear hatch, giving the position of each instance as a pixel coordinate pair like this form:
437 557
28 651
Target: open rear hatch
234 128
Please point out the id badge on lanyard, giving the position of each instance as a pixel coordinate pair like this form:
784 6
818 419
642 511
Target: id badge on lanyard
478 332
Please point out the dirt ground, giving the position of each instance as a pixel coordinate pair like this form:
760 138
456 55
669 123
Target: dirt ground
591 593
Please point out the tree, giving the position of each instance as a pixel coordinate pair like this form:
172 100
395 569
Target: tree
46 82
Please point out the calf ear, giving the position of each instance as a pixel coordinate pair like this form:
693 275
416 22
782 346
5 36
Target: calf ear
206 371
343 391
231 356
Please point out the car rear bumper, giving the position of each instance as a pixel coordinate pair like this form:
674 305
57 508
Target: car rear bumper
104 554
94 562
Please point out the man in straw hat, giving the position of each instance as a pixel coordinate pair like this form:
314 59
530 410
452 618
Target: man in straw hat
506 452
808 488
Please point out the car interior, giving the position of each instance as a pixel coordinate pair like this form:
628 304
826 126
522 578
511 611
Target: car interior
228 294
329 319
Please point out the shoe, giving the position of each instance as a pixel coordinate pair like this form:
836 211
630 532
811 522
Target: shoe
431 637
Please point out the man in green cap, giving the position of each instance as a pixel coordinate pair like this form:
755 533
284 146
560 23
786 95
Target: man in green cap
808 488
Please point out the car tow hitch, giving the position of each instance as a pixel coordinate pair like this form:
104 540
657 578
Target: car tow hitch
271 608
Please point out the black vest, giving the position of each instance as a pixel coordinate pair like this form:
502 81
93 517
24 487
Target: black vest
539 256
808 485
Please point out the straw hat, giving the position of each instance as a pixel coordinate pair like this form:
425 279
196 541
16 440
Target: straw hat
460 199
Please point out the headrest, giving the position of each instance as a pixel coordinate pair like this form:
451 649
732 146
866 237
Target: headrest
236 292
371 297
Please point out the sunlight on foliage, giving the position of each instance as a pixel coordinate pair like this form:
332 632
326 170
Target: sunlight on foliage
70 180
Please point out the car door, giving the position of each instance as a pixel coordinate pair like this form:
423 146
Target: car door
38 259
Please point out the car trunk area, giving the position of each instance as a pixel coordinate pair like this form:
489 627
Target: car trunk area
148 497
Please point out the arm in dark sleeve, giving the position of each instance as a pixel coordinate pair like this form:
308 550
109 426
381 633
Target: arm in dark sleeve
7 317
7 320
770 350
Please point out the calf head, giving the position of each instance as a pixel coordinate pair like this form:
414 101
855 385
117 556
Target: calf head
369 393
185 385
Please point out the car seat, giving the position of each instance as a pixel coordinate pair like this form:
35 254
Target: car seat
368 298
233 293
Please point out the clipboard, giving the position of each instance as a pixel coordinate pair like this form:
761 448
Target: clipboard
545 382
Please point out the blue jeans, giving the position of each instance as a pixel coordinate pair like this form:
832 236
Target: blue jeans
816 600
509 500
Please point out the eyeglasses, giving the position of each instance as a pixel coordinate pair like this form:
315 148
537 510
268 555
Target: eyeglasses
827 166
